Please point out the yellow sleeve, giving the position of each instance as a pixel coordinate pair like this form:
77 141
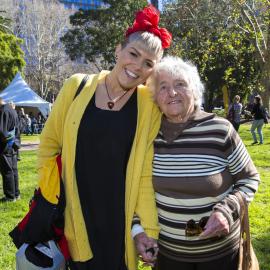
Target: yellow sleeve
51 140
146 205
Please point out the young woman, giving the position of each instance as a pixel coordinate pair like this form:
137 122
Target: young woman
259 115
105 138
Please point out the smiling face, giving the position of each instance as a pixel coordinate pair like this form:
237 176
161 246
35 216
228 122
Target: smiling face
174 96
134 65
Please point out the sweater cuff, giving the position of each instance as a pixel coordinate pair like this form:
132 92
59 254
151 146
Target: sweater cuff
136 229
152 233
229 207
225 214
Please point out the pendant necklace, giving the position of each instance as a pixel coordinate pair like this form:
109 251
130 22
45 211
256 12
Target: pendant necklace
112 101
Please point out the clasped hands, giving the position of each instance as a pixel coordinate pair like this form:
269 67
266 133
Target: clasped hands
217 225
147 248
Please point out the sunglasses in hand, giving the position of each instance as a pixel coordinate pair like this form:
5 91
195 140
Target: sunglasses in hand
194 228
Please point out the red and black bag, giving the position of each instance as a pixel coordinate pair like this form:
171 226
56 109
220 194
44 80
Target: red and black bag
44 221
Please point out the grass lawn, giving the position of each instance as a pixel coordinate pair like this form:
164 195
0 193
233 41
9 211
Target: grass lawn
32 138
259 210
11 213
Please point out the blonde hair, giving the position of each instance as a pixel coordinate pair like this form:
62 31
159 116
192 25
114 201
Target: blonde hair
237 98
149 41
175 66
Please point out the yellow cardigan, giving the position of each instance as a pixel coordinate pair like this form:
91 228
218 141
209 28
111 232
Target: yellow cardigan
60 136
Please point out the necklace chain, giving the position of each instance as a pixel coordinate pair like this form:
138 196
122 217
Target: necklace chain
112 101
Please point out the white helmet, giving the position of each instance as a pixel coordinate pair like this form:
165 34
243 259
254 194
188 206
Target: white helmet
40 256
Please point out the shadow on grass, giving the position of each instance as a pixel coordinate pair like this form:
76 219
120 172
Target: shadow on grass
261 245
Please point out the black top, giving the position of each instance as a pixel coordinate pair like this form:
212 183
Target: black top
8 122
103 147
258 111
7 118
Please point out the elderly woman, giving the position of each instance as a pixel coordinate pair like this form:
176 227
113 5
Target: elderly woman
105 136
199 163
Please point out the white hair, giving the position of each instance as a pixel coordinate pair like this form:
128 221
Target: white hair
149 41
176 66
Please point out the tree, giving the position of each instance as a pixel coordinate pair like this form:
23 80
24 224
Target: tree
11 58
95 33
11 55
252 18
201 33
5 23
41 24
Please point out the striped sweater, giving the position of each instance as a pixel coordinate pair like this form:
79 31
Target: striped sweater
197 167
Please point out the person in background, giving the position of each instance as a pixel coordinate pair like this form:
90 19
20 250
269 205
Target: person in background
17 142
259 114
22 120
28 129
40 118
199 163
105 138
8 154
33 123
40 122
236 108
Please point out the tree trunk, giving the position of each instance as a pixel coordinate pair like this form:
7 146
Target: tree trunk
208 100
265 68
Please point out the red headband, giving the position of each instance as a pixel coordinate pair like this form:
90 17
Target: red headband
147 20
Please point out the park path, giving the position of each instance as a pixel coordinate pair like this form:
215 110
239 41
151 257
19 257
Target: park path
29 145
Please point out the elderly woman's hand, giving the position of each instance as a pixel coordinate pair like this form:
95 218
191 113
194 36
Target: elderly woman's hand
217 225
147 248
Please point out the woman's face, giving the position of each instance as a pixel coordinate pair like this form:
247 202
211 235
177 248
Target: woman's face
134 65
174 96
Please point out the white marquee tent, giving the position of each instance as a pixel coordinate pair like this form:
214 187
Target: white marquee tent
22 95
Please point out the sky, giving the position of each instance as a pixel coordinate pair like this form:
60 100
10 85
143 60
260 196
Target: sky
159 4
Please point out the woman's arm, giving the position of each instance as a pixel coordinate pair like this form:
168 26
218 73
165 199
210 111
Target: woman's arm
146 206
246 180
51 140
49 202
145 222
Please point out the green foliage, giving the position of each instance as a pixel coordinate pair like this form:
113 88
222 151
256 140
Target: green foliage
96 33
203 34
11 58
219 112
252 19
